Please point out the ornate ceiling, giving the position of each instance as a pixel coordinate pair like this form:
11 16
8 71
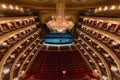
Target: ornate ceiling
71 5
48 7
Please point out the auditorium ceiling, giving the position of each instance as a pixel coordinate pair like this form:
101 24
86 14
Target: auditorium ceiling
48 7
71 5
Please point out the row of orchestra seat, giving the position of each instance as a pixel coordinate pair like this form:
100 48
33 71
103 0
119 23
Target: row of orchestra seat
53 63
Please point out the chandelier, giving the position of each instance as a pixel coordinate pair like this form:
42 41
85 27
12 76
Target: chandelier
60 22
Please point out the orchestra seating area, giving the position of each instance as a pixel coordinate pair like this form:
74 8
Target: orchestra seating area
51 66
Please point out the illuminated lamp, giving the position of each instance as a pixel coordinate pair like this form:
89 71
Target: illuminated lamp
113 7
64 71
105 8
4 6
11 7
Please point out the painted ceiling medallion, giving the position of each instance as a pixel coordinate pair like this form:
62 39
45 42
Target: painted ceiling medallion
41 1
79 1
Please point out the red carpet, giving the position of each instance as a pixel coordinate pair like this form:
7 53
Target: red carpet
51 65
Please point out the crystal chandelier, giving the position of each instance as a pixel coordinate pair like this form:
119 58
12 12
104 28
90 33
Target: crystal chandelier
60 22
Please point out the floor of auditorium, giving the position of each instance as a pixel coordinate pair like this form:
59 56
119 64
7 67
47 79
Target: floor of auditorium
54 64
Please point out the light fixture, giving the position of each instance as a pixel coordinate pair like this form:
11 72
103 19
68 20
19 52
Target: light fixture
15 36
24 55
85 53
11 7
27 61
114 43
16 7
4 6
7 70
18 65
90 61
113 68
100 64
22 72
28 40
104 77
4 44
64 71
96 70
20 46
106 55
100 8
60 22
32 53
105 8
16 78
113 7
12 56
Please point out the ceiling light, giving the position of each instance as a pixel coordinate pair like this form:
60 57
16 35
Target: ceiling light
16 7
105 8
96 10
4 6
113 7
11 7
119 7
100 8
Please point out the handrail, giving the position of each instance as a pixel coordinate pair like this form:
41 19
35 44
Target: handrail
94 61
100 57
3 60
18 57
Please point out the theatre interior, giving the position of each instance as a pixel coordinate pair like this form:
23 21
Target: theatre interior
59 39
